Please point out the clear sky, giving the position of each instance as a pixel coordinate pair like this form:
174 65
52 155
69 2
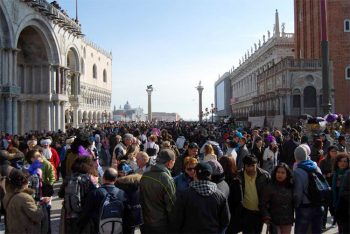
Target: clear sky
173 44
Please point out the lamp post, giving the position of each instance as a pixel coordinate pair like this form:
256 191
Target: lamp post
212 110
149 91
200 91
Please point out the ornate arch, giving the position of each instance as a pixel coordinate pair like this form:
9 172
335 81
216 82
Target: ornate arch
6 31
46 32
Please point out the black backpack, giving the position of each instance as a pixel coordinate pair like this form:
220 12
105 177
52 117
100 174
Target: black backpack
318 191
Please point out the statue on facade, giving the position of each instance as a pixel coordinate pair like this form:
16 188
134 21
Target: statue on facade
251 50
268 34
255 46
264 40
283 28
240 62
259 43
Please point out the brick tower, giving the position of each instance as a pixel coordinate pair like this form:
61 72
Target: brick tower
307 23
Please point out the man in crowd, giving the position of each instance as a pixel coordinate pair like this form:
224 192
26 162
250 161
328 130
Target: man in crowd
157 194
119 150
91 210
201 208
254 180
242 152
306 213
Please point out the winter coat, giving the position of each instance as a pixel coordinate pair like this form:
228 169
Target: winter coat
182 181
277 204
157 190
91 210
262 179
258 154
326 166
287 155
242 152
301 182
270 160
220 182
201 208
343 208
22 213
130 184
235 200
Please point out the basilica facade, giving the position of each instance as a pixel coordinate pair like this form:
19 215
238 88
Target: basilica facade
51 76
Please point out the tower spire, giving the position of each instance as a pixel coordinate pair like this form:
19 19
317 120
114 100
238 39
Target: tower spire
277 24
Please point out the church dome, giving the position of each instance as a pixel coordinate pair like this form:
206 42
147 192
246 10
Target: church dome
127 106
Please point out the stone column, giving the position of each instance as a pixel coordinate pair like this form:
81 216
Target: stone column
15 116
301 104
75 117
200 106
149 91
63 125
15 78
8 114
22 117
36 116
57 115
34 81
58 80
318 105
2 113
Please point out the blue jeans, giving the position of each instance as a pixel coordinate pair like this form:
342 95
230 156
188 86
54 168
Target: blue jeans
306 216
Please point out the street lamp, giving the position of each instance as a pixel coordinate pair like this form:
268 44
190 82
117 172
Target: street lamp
212 111
200 91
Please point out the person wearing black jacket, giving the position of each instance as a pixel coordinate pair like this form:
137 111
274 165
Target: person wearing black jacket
258 150
89 217
287 155
201 208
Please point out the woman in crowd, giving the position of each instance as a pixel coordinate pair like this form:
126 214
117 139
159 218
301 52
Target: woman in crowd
326 166
341 166
48 176
209 153
258 150
151 148
183 180
130 156
235 197
23 215
277 203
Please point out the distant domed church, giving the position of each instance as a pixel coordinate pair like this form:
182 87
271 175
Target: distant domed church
128 113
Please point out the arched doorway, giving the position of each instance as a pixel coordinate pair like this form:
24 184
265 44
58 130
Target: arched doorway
310 100
33 78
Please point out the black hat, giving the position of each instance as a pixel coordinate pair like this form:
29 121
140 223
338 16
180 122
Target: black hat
203 170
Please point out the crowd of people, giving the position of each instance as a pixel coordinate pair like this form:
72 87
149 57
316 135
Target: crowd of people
181 177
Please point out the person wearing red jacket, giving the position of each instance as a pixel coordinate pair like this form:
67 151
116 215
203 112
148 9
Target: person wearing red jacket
50 154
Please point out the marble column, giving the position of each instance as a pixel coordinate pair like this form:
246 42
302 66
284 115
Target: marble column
23 117
302 104
15 116
33 80
63 125
57 116
58 74
2 113
14 67
75 117
36 116
8 115
318 105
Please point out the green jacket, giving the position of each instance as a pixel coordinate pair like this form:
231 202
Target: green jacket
48 172
157 196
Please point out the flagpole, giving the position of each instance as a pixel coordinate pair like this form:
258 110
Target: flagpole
76 11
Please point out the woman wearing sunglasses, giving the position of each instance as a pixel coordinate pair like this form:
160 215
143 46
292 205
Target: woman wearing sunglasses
183 180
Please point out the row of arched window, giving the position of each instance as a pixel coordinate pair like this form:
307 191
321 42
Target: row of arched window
94 71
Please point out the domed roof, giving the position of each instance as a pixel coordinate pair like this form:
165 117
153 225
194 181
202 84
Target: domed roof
127 106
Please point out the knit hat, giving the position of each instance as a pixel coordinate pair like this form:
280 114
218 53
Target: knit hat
300 153
216 167
165 156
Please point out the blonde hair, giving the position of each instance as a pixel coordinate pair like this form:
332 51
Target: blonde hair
208 149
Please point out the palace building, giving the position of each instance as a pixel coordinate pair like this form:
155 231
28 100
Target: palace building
50 74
